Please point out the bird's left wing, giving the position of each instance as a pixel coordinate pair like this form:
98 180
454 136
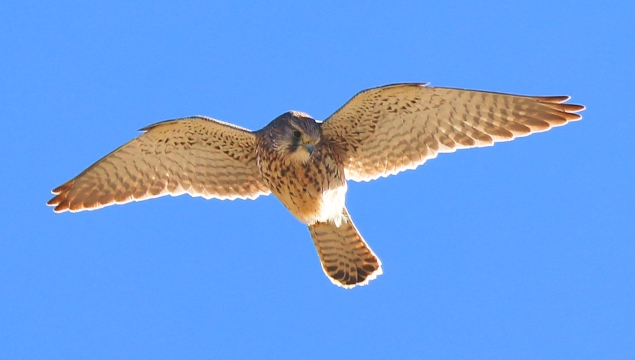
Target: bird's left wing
386 130
197 155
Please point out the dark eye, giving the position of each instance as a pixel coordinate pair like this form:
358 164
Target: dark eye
297 134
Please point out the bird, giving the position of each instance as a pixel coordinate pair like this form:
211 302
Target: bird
306 163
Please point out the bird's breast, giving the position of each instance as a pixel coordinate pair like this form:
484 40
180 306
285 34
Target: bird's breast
312 190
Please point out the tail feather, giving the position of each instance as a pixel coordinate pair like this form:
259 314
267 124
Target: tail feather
346 258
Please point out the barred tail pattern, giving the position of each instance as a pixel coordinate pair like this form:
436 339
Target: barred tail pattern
346 258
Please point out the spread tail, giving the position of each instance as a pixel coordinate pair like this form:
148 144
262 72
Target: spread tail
346 258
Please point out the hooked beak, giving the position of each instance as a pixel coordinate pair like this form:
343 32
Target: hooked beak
310 147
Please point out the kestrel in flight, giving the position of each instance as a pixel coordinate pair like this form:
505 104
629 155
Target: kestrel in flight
305 163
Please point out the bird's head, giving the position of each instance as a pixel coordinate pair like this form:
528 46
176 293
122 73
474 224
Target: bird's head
295 135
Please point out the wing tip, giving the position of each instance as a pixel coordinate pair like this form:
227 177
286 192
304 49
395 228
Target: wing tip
62 188
553 99
564 112
560 100
60 201
55 203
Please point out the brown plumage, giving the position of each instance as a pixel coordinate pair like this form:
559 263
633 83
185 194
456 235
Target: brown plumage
379 132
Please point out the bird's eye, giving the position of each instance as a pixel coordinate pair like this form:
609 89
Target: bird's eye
297 134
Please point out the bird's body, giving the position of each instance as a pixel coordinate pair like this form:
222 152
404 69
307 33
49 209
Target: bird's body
306 164
313 191
310 184
306 173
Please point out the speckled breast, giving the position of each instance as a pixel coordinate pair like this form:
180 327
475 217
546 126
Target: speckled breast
313 189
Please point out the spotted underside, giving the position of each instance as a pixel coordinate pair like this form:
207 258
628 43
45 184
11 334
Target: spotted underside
386 130
198 156
379 132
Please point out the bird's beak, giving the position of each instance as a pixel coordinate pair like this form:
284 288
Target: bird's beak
310 147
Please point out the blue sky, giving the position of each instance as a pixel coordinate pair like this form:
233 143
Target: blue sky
524 250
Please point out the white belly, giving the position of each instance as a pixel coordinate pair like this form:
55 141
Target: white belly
330 208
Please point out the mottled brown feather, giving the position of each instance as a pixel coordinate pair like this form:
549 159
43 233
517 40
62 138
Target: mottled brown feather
379 132
386 130
197 155
345 257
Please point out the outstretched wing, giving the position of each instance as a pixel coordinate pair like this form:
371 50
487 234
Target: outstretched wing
197 155
386 130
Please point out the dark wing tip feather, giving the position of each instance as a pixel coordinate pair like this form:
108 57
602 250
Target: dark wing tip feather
567 112
60 200
66 186
552 99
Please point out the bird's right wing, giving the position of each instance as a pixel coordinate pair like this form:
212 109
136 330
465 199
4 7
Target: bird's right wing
386 130
197 155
